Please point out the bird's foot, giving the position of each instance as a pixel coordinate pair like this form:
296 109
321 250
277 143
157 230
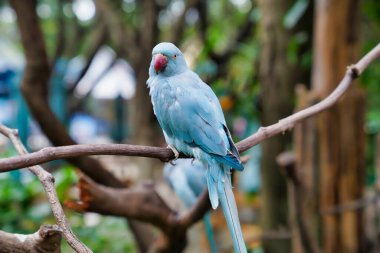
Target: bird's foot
175 151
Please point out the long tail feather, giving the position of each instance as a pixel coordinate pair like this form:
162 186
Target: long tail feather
209 232
212 191
213 174
228 204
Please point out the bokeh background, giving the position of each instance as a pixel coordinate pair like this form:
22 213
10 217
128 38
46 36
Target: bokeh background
264 59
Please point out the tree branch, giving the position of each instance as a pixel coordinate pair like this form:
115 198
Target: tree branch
97 37
165 154
47 181
78 103
140 202
46 240
353 72
352 206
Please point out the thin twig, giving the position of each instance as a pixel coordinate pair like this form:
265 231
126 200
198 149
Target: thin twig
165 154
352 205
47 181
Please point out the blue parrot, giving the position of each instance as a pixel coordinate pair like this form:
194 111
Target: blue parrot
193 123
187 179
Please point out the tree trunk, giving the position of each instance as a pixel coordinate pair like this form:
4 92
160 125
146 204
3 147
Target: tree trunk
277 76
330 156
305 143
144 128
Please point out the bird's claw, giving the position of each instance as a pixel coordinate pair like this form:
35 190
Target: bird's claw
175 151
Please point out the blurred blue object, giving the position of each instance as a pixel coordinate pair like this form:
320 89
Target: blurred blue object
7 111
6 77
188 180
58 91
249 179
11 107
14 111
87 129
6 103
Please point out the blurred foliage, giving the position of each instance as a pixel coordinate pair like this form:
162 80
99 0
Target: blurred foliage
371 77
24 208
110 234
370 80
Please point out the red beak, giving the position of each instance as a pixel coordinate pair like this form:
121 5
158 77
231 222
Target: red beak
160 62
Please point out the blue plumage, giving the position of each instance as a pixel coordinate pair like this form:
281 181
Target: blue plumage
193 123
187 179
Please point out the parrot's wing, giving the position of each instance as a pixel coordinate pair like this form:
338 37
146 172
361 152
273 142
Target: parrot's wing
196 118
232 158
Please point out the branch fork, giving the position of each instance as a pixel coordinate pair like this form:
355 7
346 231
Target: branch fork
47 181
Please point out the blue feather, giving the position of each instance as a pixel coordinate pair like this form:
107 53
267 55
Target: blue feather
209 232
212 191
228 204
229 160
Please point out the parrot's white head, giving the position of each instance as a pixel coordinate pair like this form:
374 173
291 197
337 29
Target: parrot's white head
167 60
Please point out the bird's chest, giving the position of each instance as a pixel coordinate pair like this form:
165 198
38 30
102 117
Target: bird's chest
163 97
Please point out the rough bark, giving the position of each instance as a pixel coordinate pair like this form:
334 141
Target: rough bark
46 240
340 130
306 159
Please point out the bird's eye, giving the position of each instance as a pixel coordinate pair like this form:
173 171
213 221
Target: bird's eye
174 56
